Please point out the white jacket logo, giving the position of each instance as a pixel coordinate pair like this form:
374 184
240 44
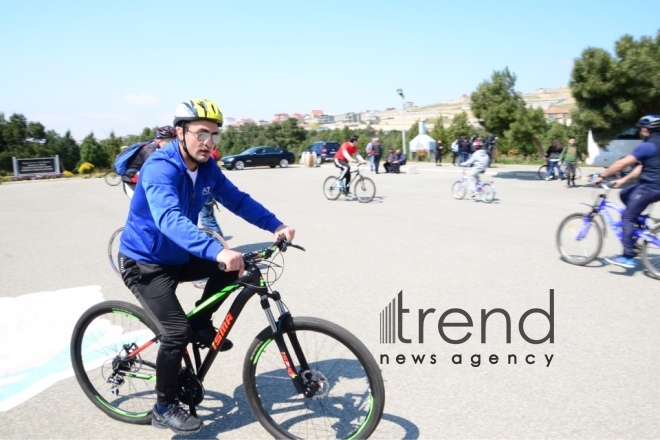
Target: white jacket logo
206 191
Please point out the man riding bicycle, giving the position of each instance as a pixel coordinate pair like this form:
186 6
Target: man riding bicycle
342 158
161 245
637 197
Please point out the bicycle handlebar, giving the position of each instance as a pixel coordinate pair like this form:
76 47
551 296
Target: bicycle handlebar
280 244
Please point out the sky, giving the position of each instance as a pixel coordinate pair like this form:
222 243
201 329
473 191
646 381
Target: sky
119 66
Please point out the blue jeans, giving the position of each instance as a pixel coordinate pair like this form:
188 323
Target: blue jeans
371 163
207 219
463 156
552 164
636 198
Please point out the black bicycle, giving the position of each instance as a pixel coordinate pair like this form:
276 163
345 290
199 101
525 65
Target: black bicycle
112 178
363 188
543 172
302 377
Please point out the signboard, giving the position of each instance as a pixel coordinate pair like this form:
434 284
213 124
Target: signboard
42 165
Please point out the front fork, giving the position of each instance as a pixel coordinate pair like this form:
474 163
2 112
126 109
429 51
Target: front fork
303 378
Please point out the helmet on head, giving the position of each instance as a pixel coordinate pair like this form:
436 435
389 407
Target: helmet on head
197 109
353 138
652 122
166 132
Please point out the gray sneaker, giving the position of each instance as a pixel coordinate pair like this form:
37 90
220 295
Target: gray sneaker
177 419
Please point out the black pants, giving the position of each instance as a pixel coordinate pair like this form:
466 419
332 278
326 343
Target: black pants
376 162
636 198
345 171
155 287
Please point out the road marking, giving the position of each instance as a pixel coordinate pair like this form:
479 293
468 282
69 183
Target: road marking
36 333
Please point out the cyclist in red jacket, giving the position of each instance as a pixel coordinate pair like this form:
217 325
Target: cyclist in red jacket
342 158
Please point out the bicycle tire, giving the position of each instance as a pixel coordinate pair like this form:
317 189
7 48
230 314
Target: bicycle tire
112 178
113 250
487 193
352 399
651 255
364 189
98 342
585 250
543 172
458 190
330 190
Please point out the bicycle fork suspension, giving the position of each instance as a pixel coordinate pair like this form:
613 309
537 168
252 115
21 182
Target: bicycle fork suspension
302 379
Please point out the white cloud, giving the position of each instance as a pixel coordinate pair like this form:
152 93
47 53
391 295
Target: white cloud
142 100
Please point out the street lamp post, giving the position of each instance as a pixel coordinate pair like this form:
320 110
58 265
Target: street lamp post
403 123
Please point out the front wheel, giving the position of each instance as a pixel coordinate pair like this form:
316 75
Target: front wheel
112 178
349 395
487 193
331 189
543 172
579 239
458 190
113 250
651 254
118 382
364 189
239 165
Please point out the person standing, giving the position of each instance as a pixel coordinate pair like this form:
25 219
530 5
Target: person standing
161 246
454 152
438 153
571 156
463 149
378 152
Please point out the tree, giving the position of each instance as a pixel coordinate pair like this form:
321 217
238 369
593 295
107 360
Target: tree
613 92
496 104
91 151
523 132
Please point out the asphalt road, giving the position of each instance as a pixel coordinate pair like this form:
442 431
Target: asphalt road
598 378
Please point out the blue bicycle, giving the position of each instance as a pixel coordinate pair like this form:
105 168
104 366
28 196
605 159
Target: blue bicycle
580 237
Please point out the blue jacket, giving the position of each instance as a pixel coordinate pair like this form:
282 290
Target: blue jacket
161 227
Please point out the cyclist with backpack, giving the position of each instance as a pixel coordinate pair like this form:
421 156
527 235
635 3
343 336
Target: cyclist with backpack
637 197
161 245
128 163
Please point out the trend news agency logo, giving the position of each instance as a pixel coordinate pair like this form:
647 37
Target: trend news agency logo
394 315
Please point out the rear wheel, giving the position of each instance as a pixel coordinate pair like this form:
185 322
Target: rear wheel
364 189
487 193
651 254
118 382
579 239
458 190
543 172
345 386
331 189
284 163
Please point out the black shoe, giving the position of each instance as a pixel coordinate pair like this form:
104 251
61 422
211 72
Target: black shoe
205 335
177 419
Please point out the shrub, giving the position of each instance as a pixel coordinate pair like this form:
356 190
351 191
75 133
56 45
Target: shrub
67 174
85 168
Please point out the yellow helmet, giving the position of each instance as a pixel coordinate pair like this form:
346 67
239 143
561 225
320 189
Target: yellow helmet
197 109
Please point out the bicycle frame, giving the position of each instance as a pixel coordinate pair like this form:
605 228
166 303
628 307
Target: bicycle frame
252 283
603 207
